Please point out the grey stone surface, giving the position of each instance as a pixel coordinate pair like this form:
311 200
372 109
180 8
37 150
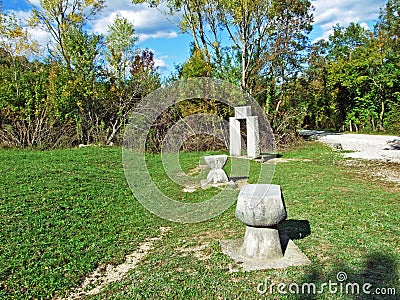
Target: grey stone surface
253 137
394 144
337 146
216 162
261 208
360 146
292 255
261 243
217 174
260 205
241 112
235 140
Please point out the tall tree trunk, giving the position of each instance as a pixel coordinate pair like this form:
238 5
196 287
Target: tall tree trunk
381 115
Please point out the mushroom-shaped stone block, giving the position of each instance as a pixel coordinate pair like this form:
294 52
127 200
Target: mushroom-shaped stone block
261 205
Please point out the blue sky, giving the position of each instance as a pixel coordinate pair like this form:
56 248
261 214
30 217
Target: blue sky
171 47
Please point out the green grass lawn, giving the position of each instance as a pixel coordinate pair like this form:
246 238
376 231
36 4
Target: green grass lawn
65 212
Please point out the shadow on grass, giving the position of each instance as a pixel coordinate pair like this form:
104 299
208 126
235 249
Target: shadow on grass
268 156
378 279
237 178
295 229
264 157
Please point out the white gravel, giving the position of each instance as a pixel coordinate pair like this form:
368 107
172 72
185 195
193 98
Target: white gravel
365 146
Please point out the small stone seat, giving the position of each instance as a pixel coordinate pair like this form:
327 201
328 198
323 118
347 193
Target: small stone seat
216 164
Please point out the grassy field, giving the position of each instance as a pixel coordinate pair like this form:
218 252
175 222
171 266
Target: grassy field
63 213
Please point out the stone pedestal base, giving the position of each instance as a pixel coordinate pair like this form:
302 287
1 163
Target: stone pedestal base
217 176
292 255
262 243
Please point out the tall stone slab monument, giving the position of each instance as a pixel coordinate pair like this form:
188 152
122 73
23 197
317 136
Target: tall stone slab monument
252 129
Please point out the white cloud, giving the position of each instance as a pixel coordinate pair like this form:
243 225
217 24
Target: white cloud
35 2
160 63
148 22
24 16
325 35
159 34
365 26
37 34
329 13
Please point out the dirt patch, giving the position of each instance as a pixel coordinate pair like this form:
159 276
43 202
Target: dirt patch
197 170
383 172
200 252
106 274
190 189
194 171
202 249
213 235
286 160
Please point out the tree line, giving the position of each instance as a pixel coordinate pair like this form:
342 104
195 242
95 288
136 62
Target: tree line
84 86
81 89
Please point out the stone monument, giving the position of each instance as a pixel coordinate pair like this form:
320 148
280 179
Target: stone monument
261 208
252 129
217 174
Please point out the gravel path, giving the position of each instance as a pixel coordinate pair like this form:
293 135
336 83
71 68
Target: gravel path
364 146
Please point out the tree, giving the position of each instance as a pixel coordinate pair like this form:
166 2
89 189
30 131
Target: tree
196 66
24 117
131 75
363 75
342 49
72 95
15 42
59 18
253 27
285 58
318 100
120 41
387 33
345 40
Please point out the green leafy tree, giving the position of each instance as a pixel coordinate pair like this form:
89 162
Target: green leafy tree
353 78
15 42
82 83
120 41
387 32
254 29
342 69
25 117
131 74
320 105
285 57
363 76
196 66
59 18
